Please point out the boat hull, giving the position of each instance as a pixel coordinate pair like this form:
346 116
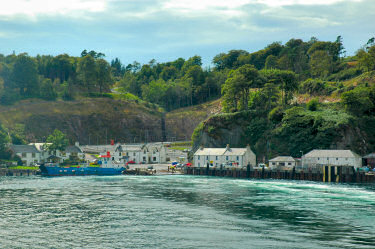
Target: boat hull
83 171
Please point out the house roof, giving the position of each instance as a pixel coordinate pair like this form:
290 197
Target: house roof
372 155
24 149
73 149
283 159
331 153
220 151
40 146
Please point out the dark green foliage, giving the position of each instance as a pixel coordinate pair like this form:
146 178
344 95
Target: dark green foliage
360 101
58 141
301 131
276 114
47 91
316 87
312 105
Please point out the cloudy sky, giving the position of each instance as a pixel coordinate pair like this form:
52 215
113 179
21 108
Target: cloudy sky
167 29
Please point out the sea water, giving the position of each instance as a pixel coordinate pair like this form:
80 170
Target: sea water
177 211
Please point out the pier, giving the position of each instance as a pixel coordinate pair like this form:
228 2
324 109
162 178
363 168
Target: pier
338 174
18 172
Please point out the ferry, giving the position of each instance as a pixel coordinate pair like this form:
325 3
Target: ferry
107 167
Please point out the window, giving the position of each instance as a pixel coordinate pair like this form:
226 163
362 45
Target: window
289 163
153 152
199 157
207 157
318 158
144 159
227 158
199 164
238 158
273 163
23 154
134 154
346 159
327 158
33 155
216 157
337 158
154 159
119 154
113 158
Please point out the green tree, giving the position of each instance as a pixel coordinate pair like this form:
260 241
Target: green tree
321 64
87 72
4 140
25 76
47 91
359 101
58 141
103 75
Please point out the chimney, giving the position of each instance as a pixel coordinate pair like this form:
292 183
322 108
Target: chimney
227 147
201 147
76 144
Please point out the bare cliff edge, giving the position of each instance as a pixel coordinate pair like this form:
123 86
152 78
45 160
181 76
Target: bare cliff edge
92 120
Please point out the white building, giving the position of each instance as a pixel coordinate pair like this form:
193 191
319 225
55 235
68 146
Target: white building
72 152
29 154
282 161
36 153
138 153
317 158
236 157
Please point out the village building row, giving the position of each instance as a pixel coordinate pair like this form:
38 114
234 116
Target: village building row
146 153
240 157
36 153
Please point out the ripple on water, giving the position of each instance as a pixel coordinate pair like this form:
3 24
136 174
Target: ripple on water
183 212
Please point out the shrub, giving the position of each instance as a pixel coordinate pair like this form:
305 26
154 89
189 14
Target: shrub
312 105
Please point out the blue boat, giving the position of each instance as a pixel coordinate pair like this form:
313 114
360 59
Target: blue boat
107 167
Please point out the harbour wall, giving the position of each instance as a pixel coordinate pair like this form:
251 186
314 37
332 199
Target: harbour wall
339 174
18 172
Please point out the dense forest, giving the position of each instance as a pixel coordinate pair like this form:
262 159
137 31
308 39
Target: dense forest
286 100
267 83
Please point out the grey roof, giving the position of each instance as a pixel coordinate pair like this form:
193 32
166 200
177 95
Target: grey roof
331 153
220 151
24 149
372 155
283 159
72 149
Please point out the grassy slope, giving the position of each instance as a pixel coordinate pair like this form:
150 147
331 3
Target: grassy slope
182 122
95 116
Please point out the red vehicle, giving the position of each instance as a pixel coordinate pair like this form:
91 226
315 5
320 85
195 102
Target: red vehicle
130 162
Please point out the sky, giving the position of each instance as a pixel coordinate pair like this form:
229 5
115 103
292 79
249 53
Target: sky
141 30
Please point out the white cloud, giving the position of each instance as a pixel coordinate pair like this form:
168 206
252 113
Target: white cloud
301 2
49 7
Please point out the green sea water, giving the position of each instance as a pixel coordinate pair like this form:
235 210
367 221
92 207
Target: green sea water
183 212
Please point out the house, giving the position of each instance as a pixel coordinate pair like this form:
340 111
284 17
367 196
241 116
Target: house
72 152
316 158
29 154
147 153
369 160
282 161
237 157
36 153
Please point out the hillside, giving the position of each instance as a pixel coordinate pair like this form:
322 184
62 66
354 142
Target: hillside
91 120
86 120
341 120
181 123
